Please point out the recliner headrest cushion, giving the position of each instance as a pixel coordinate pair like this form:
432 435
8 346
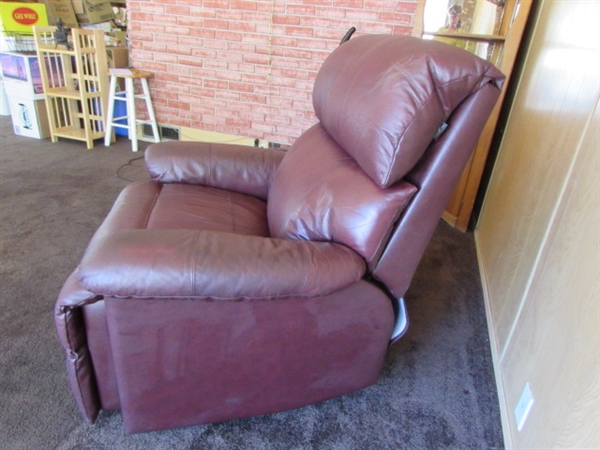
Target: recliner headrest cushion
382 98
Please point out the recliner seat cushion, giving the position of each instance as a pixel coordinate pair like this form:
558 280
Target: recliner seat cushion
320 193
148 205
194 207
382 98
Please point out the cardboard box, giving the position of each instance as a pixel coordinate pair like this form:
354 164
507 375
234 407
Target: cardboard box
106 27
29 117
119 36
117 56
78 6
21 17
21 74
94 11
116 38
61 9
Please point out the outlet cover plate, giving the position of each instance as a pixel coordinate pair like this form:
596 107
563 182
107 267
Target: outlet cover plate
523 407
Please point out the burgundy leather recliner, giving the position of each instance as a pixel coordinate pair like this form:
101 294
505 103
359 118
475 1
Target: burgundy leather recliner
243 281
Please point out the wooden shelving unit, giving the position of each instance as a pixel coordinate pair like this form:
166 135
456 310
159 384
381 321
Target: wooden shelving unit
75 83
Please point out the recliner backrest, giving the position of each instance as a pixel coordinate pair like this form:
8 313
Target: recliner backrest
320 193
380 101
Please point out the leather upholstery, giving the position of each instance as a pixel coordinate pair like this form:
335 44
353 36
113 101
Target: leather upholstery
385 102
215 361
216 265
236 168
441 166
311 199
243 281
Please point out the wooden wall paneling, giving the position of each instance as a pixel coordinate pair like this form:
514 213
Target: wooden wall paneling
555 346
547 120
538 233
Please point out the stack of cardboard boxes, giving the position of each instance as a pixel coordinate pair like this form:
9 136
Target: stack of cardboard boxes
19 65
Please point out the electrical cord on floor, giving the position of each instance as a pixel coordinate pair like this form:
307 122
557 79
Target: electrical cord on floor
128 163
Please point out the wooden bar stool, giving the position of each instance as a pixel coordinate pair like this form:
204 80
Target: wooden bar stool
129 75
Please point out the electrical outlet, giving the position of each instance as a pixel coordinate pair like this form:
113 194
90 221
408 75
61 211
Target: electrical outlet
523 407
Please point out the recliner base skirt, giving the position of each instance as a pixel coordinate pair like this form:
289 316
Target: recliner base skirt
181 364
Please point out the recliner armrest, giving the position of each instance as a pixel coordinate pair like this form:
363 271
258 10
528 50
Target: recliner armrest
216 265
244 169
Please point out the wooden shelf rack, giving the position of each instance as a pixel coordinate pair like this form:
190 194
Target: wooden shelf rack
75 83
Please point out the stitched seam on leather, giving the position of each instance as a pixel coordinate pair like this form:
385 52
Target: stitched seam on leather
151 209
306 260
210 164
193 263
396 153
434 95
231 214
272 172
293 211
385 237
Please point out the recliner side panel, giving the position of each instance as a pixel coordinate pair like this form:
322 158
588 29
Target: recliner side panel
184 362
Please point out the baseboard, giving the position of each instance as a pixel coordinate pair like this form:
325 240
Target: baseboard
504 409
449 218
193 134
175 133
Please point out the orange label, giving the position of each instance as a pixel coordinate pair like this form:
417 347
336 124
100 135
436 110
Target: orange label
25 16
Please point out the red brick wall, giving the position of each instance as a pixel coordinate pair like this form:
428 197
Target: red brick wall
247 67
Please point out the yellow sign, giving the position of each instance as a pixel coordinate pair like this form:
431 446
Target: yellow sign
21 17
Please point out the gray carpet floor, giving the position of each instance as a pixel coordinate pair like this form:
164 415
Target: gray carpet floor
436 390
